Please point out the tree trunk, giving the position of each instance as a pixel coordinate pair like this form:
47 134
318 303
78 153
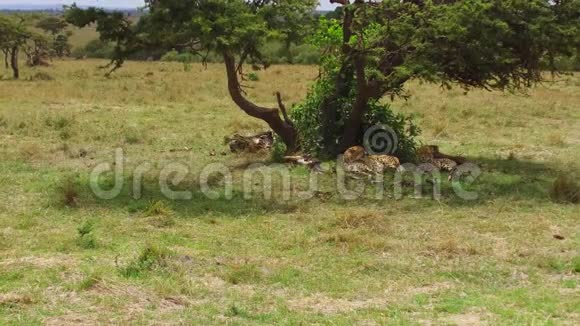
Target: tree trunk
353 127
14 62
287 48
329 106
282 127
6 63
352 65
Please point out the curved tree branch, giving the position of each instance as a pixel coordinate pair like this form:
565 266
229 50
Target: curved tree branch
283 128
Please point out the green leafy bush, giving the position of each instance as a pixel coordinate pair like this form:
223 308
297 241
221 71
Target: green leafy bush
568 63
95 49
306 54
308 120
86 239
253 76
187 57
174 56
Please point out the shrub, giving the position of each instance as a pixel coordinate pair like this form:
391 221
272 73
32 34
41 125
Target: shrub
568 63
85 238
150 258
253 76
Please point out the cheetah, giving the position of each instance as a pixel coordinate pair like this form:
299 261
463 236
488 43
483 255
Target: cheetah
358 161
437 160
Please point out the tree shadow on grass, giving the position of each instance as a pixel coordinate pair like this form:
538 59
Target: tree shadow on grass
511 180
197 202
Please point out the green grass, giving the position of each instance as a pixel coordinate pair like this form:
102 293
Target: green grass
68 257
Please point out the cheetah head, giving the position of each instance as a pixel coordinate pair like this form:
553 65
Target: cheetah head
354 154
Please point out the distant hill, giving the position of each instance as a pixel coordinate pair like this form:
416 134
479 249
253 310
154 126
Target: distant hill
52 8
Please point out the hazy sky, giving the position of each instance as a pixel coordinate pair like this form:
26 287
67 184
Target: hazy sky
105 3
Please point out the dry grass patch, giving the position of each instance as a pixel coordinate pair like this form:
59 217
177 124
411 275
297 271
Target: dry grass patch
14 299
556 139
450 248
467 319
369 220
40 262
322 304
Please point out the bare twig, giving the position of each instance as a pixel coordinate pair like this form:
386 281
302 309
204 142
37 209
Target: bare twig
283 109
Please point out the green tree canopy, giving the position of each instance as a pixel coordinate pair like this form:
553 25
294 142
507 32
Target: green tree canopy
52 24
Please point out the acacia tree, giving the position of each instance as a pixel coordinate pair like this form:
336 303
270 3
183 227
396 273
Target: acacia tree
56 26
372 52
53 25
13 36
37 49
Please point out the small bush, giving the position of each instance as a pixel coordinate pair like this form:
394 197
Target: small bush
150 258
96 49
253 76
86 228
86 239
565 190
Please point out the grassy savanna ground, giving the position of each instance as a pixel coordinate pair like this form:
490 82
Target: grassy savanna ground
329 261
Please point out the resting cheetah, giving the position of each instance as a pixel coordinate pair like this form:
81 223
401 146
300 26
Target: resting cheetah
356 160
437 160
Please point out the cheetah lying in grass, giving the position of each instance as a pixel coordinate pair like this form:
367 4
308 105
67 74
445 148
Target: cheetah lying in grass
437 161
357 161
